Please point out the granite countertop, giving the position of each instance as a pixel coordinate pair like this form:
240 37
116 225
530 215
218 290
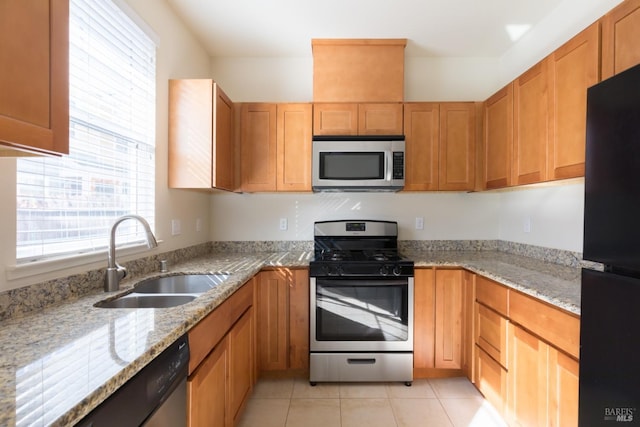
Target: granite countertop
60 363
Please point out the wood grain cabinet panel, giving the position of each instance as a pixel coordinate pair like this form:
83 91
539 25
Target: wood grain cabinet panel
574 67
424 320
335 119
422 145
491 334
380 119
457 146
530 129
491 380
201 136
207 390
498 138
493 295
563 389
448 336
34 77
258 146
241 354
620 35
293 134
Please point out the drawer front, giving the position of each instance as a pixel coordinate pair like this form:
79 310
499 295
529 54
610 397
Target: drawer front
492 295
491 330
491 380
560 328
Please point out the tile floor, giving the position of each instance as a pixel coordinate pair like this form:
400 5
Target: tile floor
451 402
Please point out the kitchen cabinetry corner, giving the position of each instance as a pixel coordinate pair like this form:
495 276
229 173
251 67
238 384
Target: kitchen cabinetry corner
201 136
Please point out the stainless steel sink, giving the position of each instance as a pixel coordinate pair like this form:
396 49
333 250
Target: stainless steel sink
182 284
134 300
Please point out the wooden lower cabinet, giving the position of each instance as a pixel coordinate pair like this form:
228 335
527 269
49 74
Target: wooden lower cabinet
283 320
438 322
491 380
563 389
241 353
207 390
221 365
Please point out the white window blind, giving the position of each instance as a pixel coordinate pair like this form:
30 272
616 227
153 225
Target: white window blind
67 205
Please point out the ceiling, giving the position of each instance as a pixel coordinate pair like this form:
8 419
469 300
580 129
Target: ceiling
284 28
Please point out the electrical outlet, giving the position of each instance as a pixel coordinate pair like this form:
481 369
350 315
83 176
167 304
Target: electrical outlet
419 223
176 227
283 224
526 224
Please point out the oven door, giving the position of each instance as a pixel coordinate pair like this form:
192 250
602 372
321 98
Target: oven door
373 314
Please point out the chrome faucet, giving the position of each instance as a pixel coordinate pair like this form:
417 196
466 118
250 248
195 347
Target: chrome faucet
116 272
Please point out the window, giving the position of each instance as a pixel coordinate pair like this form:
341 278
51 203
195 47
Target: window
67 205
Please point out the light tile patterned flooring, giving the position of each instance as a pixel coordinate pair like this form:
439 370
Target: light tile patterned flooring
450 402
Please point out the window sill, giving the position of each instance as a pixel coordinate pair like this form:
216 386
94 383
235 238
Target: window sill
35 268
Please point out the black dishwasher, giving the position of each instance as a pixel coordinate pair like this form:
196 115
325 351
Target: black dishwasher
155 397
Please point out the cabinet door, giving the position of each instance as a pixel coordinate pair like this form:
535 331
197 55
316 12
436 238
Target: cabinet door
422 142
491 380
527 379
563 389
380 119
335 119
498 138
190 133
531 119
223 162
34 77
299 320
294 147
491 334
573 68
468 304
258 147
448 332
240 339
457 146
620 35
273 320
424 295
207 390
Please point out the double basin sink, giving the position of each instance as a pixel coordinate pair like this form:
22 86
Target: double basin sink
165 292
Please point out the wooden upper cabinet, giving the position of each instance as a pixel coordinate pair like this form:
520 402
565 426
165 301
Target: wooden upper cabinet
457 146
620 35
498 138
293 132
380 119
422 143
258 146
574 67
275 147
335 119
34 77
201 140
357 119
530 129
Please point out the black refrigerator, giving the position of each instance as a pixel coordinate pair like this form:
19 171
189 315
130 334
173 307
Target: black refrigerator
610 299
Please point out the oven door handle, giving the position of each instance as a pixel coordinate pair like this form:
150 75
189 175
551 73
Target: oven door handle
361 361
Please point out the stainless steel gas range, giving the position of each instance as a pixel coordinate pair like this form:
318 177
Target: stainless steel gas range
361 304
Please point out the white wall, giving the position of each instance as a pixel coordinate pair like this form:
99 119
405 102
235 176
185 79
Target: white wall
178 55
446 216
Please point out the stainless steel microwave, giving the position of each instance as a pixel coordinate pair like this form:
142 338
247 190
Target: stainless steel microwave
358 163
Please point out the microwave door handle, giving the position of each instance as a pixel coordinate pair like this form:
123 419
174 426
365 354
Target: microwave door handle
387 165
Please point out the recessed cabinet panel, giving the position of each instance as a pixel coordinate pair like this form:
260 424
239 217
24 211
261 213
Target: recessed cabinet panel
620 35
422 143
531 118
498 138
258 147
457 146
574 67
293 147
34 77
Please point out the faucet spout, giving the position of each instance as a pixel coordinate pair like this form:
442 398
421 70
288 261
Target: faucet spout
116 272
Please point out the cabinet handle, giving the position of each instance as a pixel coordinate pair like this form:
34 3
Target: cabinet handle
370 361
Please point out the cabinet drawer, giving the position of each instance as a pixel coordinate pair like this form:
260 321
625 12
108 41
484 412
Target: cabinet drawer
560 328
493 295
491 380
491 330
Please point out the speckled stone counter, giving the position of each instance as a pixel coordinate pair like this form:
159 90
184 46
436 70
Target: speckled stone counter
59 363
553 283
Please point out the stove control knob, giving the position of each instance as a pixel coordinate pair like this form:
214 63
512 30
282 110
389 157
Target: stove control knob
397 270
384 270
